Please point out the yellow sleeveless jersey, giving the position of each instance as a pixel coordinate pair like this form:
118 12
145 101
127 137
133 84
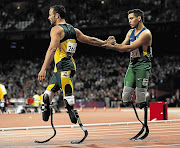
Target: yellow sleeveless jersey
63 56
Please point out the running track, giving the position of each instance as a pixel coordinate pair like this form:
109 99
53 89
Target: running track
162 134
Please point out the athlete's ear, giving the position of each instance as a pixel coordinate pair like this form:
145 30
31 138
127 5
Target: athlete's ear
57 15
139 18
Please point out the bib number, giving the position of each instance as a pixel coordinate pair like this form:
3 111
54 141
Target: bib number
135 53
71 47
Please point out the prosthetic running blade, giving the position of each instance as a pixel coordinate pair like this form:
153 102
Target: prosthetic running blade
36 141
82 127
144 126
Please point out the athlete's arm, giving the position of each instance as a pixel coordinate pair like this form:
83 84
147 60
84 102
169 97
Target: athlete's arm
143 39
55 40
87 39
112 40
127 38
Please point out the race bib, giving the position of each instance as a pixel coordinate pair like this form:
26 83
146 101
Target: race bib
135 53
71 47
65 74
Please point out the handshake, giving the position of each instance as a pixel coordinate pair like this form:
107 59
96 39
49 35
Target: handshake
109 43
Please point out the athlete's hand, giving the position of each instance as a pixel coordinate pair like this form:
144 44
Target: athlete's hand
42 75
111 40
107 45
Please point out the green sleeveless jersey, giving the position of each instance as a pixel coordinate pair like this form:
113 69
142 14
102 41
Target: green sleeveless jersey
63 57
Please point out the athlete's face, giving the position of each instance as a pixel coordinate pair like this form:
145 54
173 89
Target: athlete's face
133 20
51 17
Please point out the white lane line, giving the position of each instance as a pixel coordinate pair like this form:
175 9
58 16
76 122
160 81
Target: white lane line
110 130
91 134
88 125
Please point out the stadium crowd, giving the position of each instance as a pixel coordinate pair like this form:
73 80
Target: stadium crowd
26 15
96 78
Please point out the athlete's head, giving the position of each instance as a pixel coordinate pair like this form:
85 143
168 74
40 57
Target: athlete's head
135 16
56 12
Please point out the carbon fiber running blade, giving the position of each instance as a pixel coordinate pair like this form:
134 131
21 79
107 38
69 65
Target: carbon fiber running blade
78 142
36 141
146 134
139 134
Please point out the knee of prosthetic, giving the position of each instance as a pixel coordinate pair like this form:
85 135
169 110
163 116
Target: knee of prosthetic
127 95
141 97
69 102
126 104
142 105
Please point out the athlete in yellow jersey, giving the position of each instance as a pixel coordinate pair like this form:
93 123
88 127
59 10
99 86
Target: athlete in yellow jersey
62 47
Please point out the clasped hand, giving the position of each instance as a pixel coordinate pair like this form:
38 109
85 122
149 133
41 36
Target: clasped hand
110 42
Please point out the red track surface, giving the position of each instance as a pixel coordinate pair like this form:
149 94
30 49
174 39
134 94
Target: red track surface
165 135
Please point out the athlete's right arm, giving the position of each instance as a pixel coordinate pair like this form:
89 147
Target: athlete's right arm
143 40
127 38
125 42
55 40
87 39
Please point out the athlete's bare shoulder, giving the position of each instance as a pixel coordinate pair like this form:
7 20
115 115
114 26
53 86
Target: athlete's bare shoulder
148 31
129 32
127 38
77 31
57 30
146 34
79 34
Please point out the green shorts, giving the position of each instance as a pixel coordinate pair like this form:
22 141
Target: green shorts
138 74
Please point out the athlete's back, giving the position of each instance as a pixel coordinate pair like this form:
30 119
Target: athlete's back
63 56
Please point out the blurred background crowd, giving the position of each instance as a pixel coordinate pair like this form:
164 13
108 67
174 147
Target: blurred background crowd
100 74
32 14
97 77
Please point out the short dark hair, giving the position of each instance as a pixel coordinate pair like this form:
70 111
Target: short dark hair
60 10
137 12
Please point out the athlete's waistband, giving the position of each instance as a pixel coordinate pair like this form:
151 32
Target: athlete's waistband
66 63
141 59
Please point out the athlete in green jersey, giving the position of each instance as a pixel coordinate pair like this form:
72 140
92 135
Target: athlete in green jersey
138 42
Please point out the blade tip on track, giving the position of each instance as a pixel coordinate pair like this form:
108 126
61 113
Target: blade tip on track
75 142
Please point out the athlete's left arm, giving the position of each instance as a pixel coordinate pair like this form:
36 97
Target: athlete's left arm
88 40
143 39
55 40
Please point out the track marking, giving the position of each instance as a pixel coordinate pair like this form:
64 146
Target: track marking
103 128
87 125
65 136
111 130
